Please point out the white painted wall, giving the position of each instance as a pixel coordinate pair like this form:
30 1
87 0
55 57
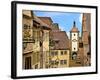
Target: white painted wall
5 41
74 45
74 38
76 35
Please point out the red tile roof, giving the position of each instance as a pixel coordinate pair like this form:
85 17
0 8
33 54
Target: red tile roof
46 20
41 22
61 39
74 29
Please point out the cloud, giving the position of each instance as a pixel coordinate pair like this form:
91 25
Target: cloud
61 28
80 18
68 34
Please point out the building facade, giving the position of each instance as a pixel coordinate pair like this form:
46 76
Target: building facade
81 45
35 41
59 50
86 38
74 37
45 45
59 45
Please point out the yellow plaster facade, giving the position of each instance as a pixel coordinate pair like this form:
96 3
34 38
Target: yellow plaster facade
59 58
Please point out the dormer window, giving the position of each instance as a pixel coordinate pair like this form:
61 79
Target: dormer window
56 41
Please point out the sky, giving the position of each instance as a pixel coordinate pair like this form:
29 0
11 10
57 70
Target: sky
64 19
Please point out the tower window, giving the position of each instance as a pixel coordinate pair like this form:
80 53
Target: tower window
74 34
74 48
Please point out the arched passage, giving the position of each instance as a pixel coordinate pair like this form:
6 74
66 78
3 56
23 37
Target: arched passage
74 55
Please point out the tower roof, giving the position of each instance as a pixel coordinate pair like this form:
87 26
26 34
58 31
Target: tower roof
74 29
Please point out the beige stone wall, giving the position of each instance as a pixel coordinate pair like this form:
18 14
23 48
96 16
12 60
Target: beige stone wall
33 46
27 22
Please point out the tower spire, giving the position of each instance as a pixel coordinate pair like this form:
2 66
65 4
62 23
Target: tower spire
74 24
84 23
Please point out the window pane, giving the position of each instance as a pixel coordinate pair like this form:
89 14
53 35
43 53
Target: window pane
61 61
61 52
65 61
65 52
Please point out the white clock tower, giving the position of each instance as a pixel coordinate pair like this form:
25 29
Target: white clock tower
74 37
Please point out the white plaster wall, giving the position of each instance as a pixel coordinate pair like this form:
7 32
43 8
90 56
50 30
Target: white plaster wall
76 35
75 45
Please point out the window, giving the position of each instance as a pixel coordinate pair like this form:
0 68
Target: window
26 26
54 53
52 43
28 63
62 62
65 61
74 48
74 34
52 62
89 53
56 62
61 52
35 23
81 45
65 52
